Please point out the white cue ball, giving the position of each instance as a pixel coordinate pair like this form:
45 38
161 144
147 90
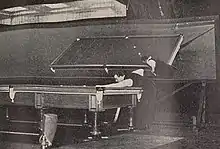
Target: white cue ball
77 39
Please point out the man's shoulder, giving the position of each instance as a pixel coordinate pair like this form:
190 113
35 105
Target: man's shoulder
138 72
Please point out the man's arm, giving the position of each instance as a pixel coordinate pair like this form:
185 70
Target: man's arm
164 70
124 83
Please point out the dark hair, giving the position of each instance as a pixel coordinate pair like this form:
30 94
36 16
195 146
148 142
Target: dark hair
144 58
120 73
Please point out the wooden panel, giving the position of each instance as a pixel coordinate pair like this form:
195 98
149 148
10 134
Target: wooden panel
115 101
26 99
66 101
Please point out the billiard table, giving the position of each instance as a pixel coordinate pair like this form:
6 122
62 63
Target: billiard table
91 98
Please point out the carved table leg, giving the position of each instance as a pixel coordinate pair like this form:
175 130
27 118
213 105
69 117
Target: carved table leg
41 119
43 141
85 122
131 112
202 104
7 113
95 132
130 125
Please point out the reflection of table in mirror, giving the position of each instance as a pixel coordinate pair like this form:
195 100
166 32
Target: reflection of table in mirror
107 51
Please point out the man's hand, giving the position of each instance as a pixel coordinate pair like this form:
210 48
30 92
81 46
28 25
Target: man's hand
151 63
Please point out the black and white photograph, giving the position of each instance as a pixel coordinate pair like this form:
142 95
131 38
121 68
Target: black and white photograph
109 74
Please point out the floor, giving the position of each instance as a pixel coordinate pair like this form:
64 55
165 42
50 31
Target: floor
163 138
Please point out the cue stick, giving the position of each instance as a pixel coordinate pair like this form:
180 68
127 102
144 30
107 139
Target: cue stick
117 114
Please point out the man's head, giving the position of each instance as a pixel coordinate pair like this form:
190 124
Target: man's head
145 59
119 76
150 62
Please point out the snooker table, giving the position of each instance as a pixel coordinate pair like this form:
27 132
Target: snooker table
92 98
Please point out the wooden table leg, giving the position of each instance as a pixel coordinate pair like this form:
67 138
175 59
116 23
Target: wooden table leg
131 114
85 122
42 139
7 113
95 132
202 105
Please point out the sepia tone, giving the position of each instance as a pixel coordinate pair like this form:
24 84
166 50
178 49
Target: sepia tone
58 60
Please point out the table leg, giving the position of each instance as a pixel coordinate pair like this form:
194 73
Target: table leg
194 123
85 122
7 113
95 133
43 142
42 139
204 112
131 113
202 103
41 119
